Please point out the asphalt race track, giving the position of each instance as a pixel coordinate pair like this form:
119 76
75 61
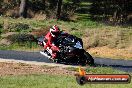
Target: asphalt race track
124 65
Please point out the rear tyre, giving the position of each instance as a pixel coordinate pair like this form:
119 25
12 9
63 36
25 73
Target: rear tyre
56 61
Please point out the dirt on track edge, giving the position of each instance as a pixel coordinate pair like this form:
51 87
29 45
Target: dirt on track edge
17 67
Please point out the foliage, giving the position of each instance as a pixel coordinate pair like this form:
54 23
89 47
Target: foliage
69 8
110 10
17 27
21 38
48 7
6 5
20 27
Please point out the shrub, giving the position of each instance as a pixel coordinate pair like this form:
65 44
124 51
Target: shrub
18 27
40 32
20 38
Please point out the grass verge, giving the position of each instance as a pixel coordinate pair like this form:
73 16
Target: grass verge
42 80
21 47
50 81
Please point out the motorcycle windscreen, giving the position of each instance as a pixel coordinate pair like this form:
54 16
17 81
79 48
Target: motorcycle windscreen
78 45
69 41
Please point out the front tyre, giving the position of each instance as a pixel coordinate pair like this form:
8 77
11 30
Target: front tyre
87 59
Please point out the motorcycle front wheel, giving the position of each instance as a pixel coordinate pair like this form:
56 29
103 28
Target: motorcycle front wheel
87 59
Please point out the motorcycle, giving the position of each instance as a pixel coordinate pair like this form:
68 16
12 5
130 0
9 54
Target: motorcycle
71 50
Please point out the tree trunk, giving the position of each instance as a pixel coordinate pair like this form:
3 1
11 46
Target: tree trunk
44 3
59 9
23 8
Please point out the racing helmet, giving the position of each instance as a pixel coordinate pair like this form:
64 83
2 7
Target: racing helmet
54 30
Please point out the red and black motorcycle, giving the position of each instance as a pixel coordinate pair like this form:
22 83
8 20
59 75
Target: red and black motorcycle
71 50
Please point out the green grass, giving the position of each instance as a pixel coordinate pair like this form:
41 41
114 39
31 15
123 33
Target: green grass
103 70
99 70
50 81
44 23
21 46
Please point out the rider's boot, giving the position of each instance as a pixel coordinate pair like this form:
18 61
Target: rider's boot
53 58
45 53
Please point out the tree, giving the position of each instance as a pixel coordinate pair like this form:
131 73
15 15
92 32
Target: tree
59 9
112 11
23 8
